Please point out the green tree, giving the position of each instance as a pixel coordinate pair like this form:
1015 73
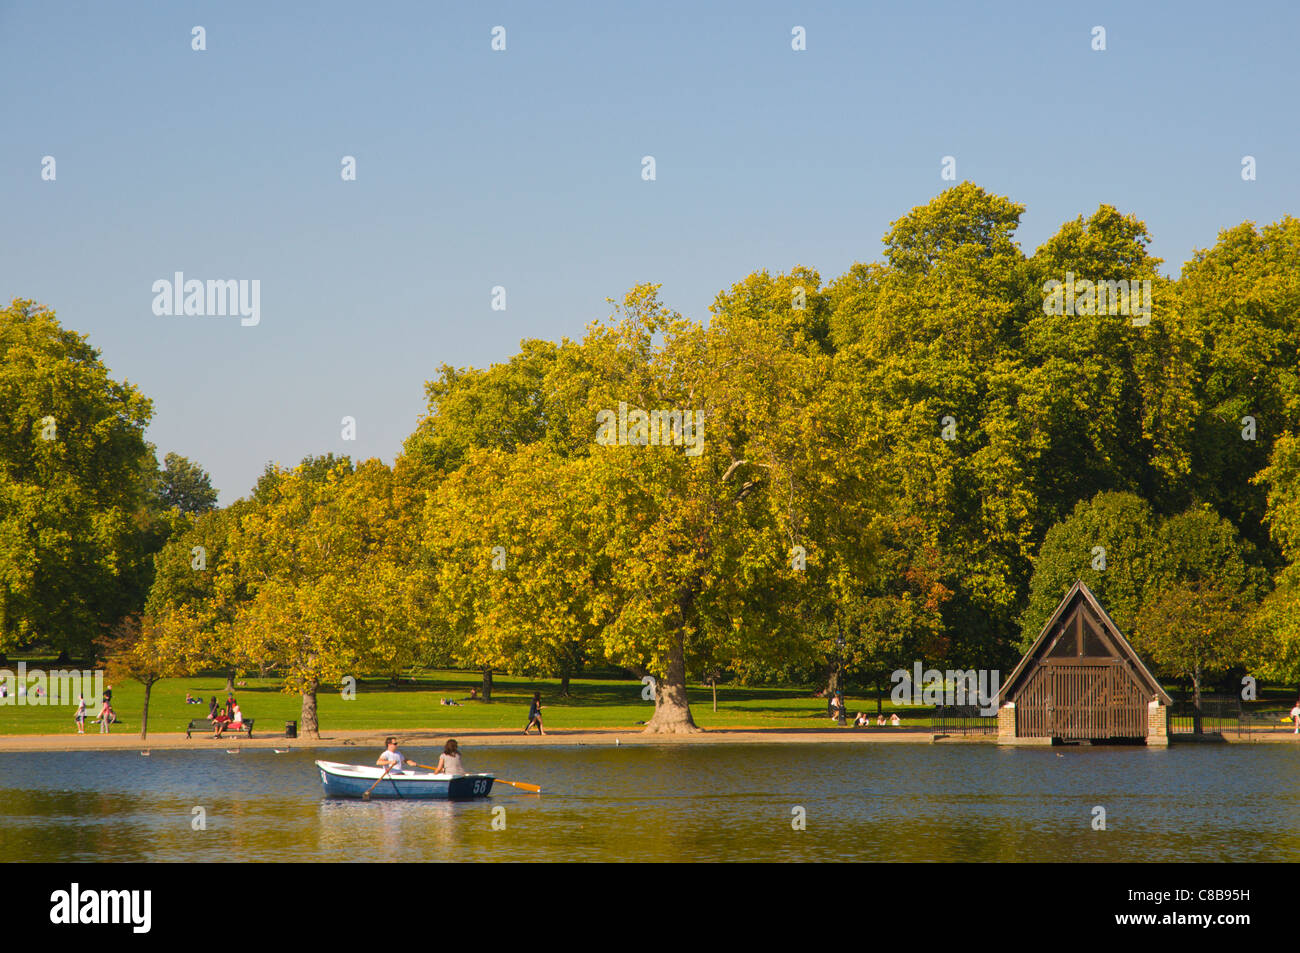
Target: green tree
75 527
185 486
1108 543
1194 630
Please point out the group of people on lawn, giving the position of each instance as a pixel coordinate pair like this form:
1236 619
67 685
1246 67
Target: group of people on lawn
863 720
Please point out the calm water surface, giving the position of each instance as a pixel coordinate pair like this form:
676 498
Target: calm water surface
671 803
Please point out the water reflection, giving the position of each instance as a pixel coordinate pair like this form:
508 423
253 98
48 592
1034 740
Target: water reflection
666 803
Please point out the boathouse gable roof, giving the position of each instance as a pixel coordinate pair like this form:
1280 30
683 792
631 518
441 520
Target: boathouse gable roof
1102 640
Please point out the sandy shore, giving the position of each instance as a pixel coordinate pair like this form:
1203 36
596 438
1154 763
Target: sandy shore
367 739
428 738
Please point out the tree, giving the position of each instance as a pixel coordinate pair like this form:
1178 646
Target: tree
1107 542
1193 630
317 589
185 486
145 650
699 544
515 570
75 530
1276 622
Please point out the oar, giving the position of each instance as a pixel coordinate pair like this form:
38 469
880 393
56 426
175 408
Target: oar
366 796
521 785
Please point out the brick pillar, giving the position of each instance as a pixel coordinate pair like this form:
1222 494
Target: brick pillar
1007 721
1157 724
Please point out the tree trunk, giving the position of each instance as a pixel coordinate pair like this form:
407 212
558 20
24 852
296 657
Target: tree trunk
879 701
310 726
672 709
564 685
714 683
144 716
487 685
230 682
1196 700
833 686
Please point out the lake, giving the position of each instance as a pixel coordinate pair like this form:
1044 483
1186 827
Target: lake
671 803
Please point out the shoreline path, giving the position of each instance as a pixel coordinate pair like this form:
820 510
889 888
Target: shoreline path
425 737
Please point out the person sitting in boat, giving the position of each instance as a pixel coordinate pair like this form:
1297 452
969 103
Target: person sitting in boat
390 755
449 762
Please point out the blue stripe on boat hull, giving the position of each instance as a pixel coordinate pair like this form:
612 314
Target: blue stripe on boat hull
405 787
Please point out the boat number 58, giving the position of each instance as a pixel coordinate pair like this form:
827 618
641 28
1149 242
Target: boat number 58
480 786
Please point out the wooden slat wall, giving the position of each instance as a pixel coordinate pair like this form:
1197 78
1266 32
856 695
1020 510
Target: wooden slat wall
1081 699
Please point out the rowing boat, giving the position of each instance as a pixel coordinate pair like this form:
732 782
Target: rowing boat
354 780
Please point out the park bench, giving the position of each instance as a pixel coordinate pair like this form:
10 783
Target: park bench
210 726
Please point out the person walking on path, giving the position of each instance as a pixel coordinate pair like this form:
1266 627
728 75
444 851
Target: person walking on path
535 714
80 716
837 708
105 716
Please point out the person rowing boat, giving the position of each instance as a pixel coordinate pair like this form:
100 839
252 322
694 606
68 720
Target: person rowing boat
391 756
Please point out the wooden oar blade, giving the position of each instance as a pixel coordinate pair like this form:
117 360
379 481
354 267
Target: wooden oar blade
522 785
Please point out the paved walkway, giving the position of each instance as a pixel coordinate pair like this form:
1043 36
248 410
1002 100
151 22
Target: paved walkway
428 738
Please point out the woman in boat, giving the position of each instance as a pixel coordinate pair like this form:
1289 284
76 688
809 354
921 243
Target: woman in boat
449 762
535 714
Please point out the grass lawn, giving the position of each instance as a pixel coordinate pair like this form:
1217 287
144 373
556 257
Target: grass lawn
593 703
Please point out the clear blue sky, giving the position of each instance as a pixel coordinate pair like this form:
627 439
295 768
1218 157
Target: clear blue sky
523 169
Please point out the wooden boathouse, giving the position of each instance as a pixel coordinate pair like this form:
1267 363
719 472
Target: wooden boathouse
1081 681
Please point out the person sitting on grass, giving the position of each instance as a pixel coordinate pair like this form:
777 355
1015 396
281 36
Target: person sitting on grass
473 695
862 721
895 720
880 720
